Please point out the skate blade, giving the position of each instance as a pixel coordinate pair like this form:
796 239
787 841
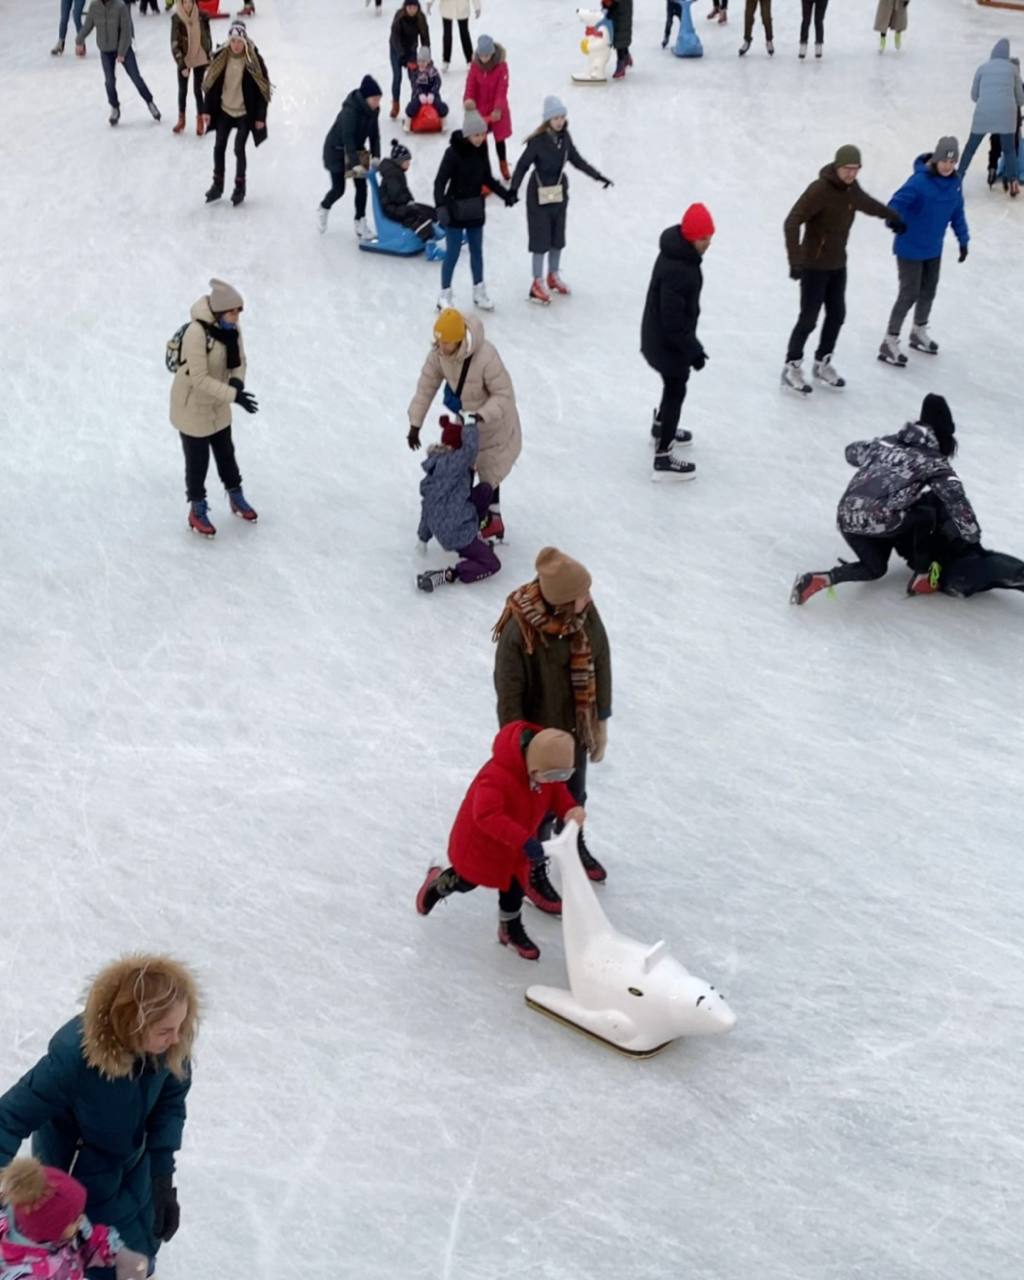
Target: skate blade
896 364
659 477
796 391
592 1035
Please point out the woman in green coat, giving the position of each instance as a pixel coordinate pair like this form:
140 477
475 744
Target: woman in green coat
107 1100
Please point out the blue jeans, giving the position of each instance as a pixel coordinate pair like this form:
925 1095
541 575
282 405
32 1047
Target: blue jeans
1009 155
398 65
109 61
453 247
65 14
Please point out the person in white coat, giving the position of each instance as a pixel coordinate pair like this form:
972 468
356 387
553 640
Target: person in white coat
455 11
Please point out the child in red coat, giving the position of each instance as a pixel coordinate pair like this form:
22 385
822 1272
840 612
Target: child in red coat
494 839
487 89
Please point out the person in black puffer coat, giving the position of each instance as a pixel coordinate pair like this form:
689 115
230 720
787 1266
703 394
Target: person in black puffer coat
395 197
458 196
352 142
548 149
409 33
668 336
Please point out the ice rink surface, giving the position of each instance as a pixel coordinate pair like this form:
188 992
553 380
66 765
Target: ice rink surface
247 751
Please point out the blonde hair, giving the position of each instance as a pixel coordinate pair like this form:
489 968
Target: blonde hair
132 994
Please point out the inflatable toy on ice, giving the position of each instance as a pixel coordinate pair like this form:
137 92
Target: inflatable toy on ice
687 43
632 996
392 237
596 46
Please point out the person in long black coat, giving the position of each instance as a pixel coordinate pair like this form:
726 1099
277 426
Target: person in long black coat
668 335
548 150
356 129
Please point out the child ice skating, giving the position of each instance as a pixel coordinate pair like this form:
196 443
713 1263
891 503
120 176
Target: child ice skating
493 842
351 146
112 22
891 15
487 91
236 90
396 200
191 47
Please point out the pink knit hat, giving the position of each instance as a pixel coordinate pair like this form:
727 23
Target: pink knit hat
61 1203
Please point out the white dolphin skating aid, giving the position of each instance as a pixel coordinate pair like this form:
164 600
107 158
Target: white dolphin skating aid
632 996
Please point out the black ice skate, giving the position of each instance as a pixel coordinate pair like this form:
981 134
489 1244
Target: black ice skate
216 188
682 437
668 467
541 892
512 934
591 865
434 578
438 884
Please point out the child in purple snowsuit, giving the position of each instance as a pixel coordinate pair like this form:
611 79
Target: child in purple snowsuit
453 507
426 86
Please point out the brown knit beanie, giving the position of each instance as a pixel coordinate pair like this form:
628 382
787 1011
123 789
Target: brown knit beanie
223 297
562 579
550 749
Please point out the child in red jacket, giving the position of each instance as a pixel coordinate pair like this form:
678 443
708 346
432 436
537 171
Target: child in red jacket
494 839
487 90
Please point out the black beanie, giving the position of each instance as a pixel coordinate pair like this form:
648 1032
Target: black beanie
369 87
935 414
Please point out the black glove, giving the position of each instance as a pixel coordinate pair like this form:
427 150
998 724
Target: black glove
795 273
246 399
511 198
237 383
413 438
963 253
606 183
166 1213
896 224
699 361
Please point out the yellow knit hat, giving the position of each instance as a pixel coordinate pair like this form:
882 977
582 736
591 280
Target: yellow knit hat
450 326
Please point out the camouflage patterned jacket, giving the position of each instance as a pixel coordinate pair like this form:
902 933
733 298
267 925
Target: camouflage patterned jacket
893 472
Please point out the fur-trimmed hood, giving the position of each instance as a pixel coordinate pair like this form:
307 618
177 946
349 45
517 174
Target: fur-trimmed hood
496 59
115 1007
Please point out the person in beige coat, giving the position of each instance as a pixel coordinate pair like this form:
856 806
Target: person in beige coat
891 15
209 379
476 384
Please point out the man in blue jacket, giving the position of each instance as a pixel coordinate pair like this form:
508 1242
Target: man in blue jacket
928 202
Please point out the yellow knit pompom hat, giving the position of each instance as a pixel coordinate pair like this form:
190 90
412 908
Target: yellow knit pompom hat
450 326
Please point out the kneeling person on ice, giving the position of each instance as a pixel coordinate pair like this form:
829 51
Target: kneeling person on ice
493 841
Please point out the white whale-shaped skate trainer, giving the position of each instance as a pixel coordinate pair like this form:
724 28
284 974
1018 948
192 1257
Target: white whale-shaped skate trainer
633 996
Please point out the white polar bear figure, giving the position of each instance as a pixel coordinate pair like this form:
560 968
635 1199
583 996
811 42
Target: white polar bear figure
596 46
633 996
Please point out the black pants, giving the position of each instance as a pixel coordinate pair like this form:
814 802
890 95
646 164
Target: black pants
673 393
510 900
817 8
817 288
197 462
338 190
197 90
464 40
915 543
109 61
225 124
150 3
418 218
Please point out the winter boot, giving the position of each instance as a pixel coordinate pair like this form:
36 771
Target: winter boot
591 865
115 115
154 110
434 578
807 585
57 49
480 298
240 506
682 436
920 341
667 465
819 49
723 18
803 51
180 126
541 892
538 293
437 885
395 108
889 352
216 188
362 229
925 584
512 934
824 372
744 47
557 285
199 519
793 378
238 195
445 299
322 215
200 126
493 527
620 68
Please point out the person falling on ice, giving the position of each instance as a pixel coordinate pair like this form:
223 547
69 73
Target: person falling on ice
44 1233
493 842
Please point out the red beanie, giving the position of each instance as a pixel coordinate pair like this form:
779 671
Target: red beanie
451 432
46 1221
697 223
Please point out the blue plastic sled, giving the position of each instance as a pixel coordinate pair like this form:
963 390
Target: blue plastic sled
687 43
392 237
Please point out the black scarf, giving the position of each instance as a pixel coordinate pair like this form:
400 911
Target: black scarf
230 339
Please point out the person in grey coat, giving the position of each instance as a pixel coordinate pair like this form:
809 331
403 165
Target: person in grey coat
112 22
453 507
548 150
999 95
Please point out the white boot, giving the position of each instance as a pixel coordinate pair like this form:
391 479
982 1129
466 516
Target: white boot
889 352
824 372
321 218
920 341
445 299
362 229
793 378
803 51
480 298
819 49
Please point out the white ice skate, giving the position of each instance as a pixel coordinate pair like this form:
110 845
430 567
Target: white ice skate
480 298
889 352
823 372
322 215
793 378
445 299
920 341
631 996
362 229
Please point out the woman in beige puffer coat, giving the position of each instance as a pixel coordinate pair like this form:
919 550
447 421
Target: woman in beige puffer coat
210 378
486 393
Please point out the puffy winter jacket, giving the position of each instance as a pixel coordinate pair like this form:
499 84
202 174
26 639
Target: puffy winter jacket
356 127
201 398
395 196
407 34
23 1259
487 86
113 22
928 203
668 332
502 811
458 10
826 211
893 472
464 171
998 92
425 80
446 512
621 15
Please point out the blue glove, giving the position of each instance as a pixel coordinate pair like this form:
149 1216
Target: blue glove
452 402
534 850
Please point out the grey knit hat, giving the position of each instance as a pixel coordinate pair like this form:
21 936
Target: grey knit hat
472 120
423 53
553 106
947 149
485 46
224 297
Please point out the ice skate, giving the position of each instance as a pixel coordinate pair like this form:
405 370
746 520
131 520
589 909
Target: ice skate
920 341
57 49
898 40
154 110
713 14
446 67
240 507
803 51
769 45
541 892
115 115
591 865
824 372
512 934
557 285
436 886
819 49
180 126
668 467
480 298
745 47
793 378
493 528
881 44
807 585
322 215
682 437
723 18
434 578
923 584
246 11
238 195
216 189
199 519
362 229
539 294
395 108
445 299
889 352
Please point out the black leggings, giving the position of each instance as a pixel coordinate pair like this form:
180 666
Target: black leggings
225 124
197 90
338 190
817 9
197 461
510 900
672 396
464 40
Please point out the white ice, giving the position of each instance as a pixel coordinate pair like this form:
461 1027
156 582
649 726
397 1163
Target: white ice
247 751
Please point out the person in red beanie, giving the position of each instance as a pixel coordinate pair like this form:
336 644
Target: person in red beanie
44 1233
668 333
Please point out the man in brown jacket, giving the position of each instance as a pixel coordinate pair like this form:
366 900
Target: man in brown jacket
826 211
553 668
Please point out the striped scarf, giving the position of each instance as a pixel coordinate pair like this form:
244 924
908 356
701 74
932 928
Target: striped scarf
530 611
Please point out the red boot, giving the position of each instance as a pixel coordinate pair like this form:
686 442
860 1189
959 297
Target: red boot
538 293
556 284
807 585
512 934
180 126
925 584
493 529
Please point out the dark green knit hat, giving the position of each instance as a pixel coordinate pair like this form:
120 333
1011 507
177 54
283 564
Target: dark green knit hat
847 154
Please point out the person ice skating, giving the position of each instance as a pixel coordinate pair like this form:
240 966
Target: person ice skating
409 32
191 47
351 146
209 379
149 5
813 9
236 91
464 171
476 383
825 211
68 8
45 1235
719 11
455 11
493 841
548 149
114 34
904 489
668 334
487 92
891 15
396 200
751 9
107 1099
552 664
426 87
999 95
453 507
995 147
929 202
620 13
